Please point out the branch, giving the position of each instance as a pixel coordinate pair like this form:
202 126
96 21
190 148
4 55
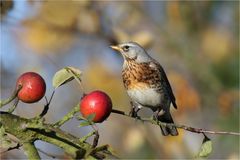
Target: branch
30 130
187 128
17 146
68 116
12 97
30 150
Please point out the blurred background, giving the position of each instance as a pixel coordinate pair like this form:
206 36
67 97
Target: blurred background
196 42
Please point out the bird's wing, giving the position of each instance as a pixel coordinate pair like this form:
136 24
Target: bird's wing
167 84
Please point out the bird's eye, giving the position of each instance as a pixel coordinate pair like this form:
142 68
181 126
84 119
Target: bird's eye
125 48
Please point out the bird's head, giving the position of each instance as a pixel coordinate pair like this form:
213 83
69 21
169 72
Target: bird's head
132 51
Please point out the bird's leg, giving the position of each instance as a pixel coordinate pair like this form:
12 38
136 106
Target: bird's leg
155 115
158 113
138 108
134 110
133 113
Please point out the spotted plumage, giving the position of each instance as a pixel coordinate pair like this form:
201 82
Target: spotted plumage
146 83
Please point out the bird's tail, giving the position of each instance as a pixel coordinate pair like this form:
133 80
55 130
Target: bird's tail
166 130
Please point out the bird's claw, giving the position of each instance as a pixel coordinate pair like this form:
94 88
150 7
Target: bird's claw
154 117
134 111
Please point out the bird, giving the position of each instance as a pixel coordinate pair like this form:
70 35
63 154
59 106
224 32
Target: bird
147 84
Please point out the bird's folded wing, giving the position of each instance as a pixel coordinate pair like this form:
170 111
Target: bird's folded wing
167 84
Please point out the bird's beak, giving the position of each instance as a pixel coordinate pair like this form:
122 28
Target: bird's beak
117 48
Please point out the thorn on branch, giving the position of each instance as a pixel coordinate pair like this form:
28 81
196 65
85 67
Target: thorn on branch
18 145
95 140
46 107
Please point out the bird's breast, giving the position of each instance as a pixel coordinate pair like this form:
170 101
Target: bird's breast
136 75
142 83
146 96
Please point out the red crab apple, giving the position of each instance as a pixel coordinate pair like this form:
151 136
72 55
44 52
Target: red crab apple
33 87
98 103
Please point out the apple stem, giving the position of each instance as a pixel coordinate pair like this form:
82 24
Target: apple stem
84 138
11 98
67 117
118 112
51 96
10 110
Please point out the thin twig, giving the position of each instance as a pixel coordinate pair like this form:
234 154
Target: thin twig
10 110
84 138
95 140
46 107
11 98
187 128
95 132
118 112
67 117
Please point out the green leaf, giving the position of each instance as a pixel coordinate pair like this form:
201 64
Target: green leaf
65 75
84 123
76 73
91 117
205 149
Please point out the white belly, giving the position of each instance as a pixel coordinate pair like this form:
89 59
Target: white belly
148 97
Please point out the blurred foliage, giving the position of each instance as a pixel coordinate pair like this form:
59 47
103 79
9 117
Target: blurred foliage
188 98
41 39
197 43
5 7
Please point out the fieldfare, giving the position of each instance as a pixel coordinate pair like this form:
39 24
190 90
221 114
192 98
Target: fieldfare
147 84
